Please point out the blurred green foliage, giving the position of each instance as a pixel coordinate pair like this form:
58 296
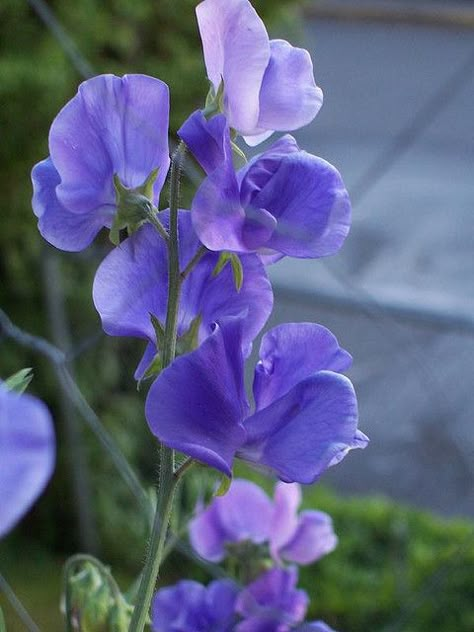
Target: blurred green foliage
395 570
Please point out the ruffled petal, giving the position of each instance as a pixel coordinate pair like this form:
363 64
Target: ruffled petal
206 139
313 538
218 216
244 513
27 454
61 228
207 534
181 605
289 97
272 597
292 352
197 404
307 197
284 521
190 607
237 51
132 283
112 126
298 435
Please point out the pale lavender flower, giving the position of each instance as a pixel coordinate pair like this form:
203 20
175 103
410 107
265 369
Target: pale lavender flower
268 84
245 513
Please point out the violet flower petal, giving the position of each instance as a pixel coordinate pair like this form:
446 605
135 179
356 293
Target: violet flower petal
61 228
244 513
237 51
218 216
190 607
197 404
112 126
284 521
272 597
131 283
298 435
207 140
313 538
307 197
289 96
290 353
207 534
27 454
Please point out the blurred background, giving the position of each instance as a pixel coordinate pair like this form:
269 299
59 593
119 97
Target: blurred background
398 79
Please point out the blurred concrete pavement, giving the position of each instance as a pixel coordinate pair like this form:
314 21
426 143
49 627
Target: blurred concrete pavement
398 122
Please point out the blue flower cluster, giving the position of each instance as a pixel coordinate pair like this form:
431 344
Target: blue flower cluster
260 535
192 283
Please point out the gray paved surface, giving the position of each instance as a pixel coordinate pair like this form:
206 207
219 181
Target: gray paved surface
411 244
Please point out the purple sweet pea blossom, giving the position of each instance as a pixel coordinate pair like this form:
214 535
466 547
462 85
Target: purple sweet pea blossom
246 513
272 602
27 454
305 419
284 202
113 126
268 84
132 283
190 607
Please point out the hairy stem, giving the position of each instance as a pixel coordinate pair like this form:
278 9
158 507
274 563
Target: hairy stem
17 606
168 480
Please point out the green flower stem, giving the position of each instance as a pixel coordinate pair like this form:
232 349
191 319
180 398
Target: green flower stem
201 251
152 215
17 606
168 479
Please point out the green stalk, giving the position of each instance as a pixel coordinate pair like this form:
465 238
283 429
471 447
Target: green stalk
167 480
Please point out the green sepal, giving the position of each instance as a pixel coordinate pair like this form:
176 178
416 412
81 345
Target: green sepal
224 486
237 270
120 616
239 158
20 380
189 340
159 331
214 100
134 206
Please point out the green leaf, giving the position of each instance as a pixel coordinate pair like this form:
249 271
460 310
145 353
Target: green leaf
239 158
159 330
3 625
189 340
20 380
236 265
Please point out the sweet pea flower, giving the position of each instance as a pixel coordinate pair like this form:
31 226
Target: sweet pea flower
131 284
27 454
305 416
272 603
268 85
283 202
190 607
245 513
114 126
